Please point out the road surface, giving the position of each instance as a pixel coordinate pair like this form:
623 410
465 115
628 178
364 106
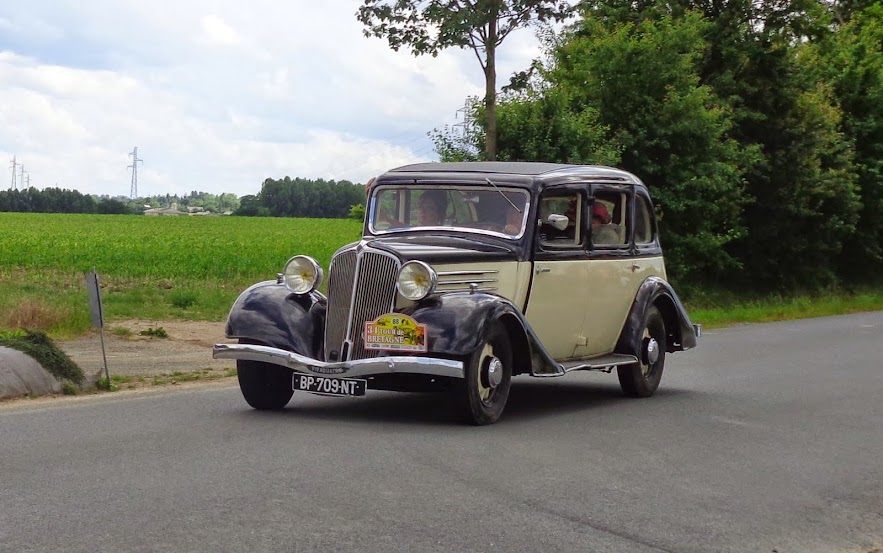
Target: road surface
766 438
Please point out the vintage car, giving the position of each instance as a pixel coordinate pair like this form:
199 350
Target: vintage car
467 275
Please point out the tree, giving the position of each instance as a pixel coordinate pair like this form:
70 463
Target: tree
850 60
430 26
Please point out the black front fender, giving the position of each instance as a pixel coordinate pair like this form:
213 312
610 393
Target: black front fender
269 313
679 329
457 324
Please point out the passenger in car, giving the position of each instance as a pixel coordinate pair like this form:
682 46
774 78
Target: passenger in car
602 231
431 208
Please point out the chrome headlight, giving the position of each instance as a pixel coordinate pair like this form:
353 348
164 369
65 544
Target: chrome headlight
416 280
302 274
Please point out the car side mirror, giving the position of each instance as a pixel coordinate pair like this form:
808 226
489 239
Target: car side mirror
558 221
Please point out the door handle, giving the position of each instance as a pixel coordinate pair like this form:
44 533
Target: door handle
539 270
635 267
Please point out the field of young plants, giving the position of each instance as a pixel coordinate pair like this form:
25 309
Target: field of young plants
193 268
151 267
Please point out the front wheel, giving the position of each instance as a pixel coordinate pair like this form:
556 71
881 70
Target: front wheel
642 379
488 376
264 386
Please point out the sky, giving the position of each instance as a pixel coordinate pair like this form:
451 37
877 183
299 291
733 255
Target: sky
219 95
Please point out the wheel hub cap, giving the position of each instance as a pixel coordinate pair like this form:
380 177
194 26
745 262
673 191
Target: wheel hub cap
493 372
651 351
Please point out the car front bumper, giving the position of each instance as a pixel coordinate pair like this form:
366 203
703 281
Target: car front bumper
432 366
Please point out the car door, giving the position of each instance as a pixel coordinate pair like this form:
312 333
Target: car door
617 268
558 295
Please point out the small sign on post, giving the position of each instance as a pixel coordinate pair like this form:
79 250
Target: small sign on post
96 310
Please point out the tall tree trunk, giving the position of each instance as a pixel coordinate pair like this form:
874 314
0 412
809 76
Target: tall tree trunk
490 90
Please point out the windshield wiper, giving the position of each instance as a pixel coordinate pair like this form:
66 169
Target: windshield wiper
489 181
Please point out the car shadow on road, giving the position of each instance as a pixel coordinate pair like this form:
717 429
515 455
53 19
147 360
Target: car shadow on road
528 399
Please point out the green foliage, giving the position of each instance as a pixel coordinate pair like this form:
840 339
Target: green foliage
851 61
158 332
303 198
183 299
49 200
357 212
69 389
428 27
758 127
39 346
57 200
114 207
107 385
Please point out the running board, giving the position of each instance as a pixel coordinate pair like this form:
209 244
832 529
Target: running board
604 363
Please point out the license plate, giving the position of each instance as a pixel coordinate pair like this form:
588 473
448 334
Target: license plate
329 386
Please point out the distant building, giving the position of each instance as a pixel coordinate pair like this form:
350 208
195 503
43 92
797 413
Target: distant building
171 210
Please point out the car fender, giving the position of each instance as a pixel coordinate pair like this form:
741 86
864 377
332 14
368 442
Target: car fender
655 291
269 313
458 323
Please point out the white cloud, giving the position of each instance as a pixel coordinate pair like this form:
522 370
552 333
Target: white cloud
218 97
215 31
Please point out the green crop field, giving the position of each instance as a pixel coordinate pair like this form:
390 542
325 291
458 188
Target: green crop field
150 267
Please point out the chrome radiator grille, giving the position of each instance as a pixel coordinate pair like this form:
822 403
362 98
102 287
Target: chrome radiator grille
340 292
360 289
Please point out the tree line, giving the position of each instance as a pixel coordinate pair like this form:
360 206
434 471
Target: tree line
62 200
303 198
277 198
757 125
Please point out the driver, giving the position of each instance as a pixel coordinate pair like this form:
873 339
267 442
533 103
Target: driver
431 208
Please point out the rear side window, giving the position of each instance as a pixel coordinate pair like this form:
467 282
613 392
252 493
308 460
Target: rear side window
643 221
609 221
561 220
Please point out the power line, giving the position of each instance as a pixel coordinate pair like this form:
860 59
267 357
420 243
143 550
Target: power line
134 191
13 164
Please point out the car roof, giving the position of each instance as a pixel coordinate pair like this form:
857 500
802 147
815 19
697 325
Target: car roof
519 173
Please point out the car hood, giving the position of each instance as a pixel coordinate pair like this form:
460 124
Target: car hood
442 249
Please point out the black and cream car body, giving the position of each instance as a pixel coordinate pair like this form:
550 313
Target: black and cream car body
512 280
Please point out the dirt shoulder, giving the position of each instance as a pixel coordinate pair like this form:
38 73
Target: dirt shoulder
187 348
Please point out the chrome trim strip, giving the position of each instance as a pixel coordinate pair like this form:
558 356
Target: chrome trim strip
349 314
604 363
467 289
463 273
475 280
361 367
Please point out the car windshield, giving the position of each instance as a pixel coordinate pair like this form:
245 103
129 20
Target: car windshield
497 210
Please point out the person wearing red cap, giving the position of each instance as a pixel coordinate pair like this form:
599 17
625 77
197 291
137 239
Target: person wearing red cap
602 231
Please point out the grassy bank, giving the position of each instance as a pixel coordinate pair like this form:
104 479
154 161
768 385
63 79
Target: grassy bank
189 268
193 268
733 310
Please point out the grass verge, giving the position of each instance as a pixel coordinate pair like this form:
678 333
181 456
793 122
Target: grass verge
129 382
41 347
733 310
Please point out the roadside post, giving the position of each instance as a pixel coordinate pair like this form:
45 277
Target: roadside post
96 310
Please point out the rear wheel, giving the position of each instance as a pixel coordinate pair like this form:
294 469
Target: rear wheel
488 376
264 386
642 378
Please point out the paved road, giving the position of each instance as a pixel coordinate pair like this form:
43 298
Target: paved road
767 438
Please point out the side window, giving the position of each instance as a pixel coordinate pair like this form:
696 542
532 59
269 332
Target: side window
561 221
643 221
609 219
